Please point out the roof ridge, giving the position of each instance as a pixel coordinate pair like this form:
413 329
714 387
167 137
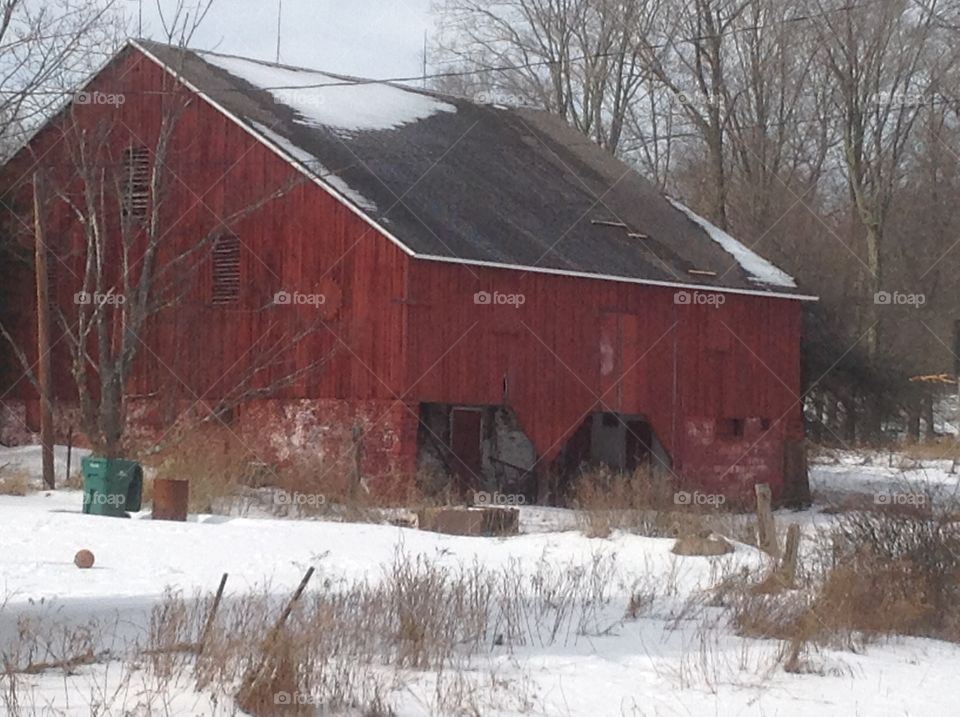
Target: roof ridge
340 77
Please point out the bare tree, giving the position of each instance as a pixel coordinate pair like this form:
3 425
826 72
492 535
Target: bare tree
576 58
688 56
45 48
778 132
129 266
653 134
880 59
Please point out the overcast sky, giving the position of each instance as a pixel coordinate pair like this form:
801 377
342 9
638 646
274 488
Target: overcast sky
369 38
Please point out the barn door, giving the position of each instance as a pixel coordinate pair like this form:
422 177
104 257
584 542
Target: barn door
621 367
466 443
611 360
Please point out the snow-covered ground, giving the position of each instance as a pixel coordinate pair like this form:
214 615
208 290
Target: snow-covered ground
647 666
946 415
883 476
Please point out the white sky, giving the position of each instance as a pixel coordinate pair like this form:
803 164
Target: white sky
368 38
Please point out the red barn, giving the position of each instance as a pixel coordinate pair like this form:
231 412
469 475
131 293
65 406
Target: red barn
497 297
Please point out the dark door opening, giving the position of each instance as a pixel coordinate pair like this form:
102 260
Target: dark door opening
466 443
639 441
483 448
617 441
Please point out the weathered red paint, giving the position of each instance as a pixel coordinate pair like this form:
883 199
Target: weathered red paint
577 346
403 331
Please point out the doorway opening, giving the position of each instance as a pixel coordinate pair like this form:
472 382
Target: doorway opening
469 449
618 441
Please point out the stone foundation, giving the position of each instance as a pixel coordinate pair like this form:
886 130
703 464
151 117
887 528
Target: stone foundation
274 431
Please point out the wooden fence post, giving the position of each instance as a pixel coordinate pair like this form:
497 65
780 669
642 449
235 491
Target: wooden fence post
788 566
766 529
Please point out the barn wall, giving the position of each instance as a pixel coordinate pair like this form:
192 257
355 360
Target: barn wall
315 435
305 241
558 348
196 353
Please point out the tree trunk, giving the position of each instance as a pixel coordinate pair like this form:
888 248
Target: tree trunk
913 419
872 430
849 420
928 416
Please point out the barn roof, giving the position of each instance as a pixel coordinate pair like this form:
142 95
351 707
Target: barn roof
449 179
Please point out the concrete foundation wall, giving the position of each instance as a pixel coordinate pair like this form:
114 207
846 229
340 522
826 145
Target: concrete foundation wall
273 431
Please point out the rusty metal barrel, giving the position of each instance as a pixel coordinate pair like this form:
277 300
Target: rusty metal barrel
170 499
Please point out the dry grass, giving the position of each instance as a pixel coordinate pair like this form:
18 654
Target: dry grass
901 455
876 573
14 482
893 573
607 500
642 503
946 448
74 481
312 487
350 646
225 477
212 462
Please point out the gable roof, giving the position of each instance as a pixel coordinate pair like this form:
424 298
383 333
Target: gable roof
448 179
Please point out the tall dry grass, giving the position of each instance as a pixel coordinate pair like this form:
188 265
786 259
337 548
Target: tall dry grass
226 477
609 500
349 647
644 503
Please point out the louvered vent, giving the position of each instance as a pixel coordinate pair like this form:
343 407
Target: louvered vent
136 198
226 270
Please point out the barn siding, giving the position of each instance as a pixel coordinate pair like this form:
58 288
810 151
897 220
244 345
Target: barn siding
577 346
306 241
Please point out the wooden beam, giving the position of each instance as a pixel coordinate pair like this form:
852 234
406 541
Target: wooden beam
44 378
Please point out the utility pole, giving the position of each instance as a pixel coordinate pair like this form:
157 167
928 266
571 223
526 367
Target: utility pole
424 59
279 15
43 339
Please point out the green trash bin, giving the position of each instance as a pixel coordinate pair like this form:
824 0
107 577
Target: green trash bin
111 486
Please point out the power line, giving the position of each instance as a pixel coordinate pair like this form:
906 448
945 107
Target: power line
343 81
505 68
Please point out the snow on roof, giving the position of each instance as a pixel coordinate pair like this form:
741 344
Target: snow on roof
323 100
314 165
370 142
759 269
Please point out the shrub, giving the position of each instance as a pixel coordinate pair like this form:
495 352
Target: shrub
876 573
893 573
